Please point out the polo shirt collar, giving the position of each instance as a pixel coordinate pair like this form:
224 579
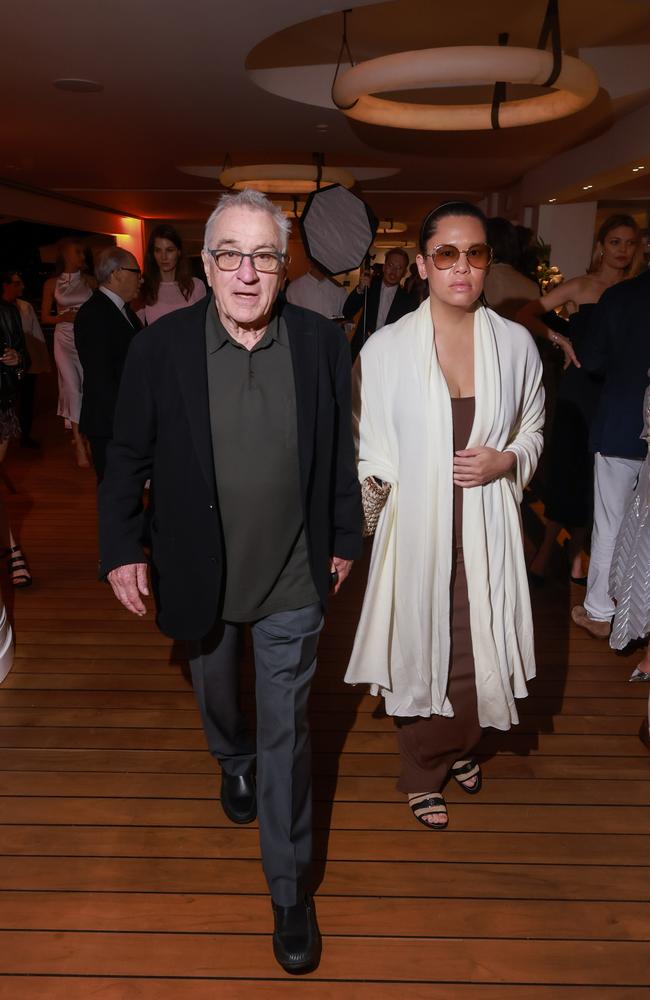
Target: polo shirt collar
217 336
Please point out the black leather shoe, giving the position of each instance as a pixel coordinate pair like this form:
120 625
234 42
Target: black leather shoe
238 797
296 938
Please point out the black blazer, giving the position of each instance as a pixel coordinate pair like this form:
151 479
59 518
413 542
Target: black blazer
402 303
102 336
162 432
618 348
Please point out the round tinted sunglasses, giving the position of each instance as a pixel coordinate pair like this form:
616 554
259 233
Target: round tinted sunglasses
479 255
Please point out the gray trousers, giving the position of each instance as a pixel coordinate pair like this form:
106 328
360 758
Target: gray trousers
284 646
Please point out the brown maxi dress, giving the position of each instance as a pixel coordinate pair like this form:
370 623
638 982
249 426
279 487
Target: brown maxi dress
429 746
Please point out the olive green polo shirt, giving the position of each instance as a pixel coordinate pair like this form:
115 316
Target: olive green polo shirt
254 428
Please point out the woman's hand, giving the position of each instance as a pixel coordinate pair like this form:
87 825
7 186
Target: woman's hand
10 357
68 316
566 346
478 466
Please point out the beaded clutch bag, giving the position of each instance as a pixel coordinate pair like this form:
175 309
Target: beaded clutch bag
374 494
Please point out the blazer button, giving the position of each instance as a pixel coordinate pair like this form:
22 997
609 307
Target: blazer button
211 506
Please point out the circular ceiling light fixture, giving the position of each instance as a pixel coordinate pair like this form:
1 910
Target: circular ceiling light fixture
77 86
388 226
284 178
575 87
394 244
292 208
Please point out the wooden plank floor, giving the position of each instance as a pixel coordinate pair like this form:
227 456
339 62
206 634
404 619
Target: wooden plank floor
121 878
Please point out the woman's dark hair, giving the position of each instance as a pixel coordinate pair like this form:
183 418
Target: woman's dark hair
502 237
528 254
450 208
151 271
59 264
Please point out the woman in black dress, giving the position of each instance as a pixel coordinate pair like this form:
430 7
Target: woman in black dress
569 490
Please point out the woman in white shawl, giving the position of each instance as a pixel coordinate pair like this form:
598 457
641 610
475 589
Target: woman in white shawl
450 410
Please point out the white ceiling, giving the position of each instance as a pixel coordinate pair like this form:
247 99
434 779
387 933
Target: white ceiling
178 89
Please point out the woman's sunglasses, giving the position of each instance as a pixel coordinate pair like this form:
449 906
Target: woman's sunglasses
446 255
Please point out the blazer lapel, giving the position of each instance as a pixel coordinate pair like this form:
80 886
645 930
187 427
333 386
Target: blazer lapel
192 369
303 340
395 311
130 323
133 318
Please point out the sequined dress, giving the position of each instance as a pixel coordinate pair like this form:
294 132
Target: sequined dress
629 578
70 292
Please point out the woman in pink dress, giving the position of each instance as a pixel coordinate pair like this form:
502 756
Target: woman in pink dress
168 283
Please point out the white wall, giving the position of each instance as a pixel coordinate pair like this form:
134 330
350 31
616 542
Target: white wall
569 229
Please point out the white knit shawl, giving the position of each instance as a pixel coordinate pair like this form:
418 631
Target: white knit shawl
404 432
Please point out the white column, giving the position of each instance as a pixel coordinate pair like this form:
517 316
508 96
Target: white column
569 230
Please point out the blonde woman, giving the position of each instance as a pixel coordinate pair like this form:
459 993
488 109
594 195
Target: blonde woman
64 293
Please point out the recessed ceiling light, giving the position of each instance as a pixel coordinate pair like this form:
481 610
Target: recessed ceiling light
635 170
587 187
78 86
551 200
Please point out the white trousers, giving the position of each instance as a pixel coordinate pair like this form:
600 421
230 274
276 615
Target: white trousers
614 481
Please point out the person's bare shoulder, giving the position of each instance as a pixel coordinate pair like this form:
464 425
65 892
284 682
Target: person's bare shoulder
582 290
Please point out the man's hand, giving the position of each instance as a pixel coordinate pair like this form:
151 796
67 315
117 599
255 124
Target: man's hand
129 585
478 466
364 280
342 569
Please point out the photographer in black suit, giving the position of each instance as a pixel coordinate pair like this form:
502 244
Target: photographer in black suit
386 301
103 330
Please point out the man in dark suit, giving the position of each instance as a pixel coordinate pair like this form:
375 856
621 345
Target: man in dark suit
238 408
103 330
385 302
618 348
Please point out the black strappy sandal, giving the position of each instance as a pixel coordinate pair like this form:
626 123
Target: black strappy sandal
465 770
428 804
18 572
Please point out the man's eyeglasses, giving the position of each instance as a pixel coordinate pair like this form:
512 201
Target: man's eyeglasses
133 270
265 261
446 255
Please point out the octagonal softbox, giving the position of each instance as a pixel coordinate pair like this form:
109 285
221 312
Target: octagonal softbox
337 229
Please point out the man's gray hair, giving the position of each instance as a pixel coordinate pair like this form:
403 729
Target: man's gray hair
256 202
109 260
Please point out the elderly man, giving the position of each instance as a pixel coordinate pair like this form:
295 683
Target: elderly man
238 408
103 330
385 302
